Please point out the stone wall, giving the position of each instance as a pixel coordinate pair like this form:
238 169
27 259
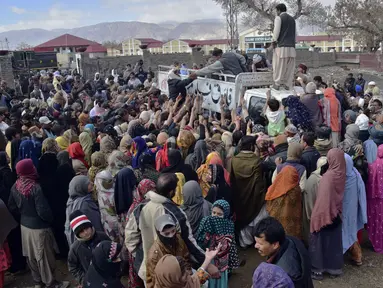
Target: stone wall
315 59
6 70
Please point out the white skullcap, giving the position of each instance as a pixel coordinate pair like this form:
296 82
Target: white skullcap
372 83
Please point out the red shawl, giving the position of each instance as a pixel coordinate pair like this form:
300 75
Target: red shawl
27 176
76 152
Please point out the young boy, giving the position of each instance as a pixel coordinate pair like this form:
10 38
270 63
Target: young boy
275 116
87 239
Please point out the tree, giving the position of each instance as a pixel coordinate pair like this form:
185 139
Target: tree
112 44
362 19
261 13
23 46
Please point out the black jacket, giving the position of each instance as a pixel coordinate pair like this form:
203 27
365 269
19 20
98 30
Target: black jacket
177 86
34 210
309 159
294 259
80 255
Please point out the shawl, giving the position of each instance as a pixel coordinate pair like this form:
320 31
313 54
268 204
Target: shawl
86 144
162 138
98 164
212 159
178 197
63 158
351 138
247 182
271 276
50 145
176 164
125 143
328 204
8 223
124 187
83 119
284 201
222 190
107 145
27 176
65 140
375 174
354 211
214 230
299 115
168 274
143 187
194 206
139 146
76 152
185 140
333 111
117 161
162 158
370 151
59 99
198 156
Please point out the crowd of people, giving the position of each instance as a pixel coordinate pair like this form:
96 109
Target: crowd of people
121 180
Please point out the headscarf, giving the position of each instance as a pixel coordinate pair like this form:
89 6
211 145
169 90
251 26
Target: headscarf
90 127
370 151
65 140
298 113
223 190
83 119
178 197
76 152
117 161
139 146
271 276
124 190
8 223
294 152
214 230
354 211
98 164
329 94
143 187
286 180
125 143
184 141
212 158
351 138
86 144
168 274
162 138
265 145
107 145
27 176
227 139
63 158
194 206
328 204
162 158
199 155
145 117
30 149
50 146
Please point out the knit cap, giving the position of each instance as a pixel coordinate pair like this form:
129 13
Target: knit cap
79 222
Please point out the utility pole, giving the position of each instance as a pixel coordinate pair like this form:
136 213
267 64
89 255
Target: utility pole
231 11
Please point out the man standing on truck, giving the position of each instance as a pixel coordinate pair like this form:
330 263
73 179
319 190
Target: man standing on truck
227 63
284 48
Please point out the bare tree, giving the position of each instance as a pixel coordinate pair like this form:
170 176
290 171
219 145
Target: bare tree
23 46
261 13
362 19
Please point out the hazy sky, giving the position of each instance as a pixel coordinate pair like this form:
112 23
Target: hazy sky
47 14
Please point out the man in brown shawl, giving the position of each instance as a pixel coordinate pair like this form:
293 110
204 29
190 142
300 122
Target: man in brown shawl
247 183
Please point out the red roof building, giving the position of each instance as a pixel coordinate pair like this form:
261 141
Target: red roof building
96 48
64 42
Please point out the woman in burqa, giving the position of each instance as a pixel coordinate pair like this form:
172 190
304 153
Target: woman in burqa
47 170
64 174
177 165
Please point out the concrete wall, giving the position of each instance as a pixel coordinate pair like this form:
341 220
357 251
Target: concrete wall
6 70
314 59
107 64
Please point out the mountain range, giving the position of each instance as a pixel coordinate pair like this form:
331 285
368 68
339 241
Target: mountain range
120 31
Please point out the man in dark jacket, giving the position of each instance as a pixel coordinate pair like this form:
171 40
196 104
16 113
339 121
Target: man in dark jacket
176 85
284 251
310 154
87 238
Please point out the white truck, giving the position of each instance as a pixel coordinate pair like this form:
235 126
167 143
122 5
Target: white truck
254 85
